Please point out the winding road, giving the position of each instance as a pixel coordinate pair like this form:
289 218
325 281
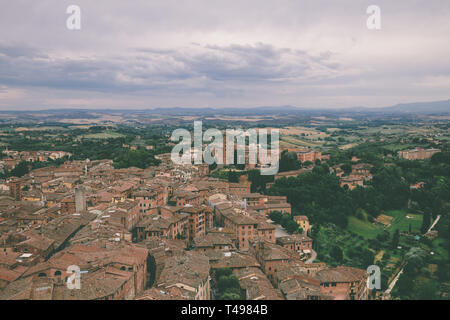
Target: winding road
313 257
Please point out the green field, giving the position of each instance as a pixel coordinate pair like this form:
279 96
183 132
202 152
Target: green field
402 223
102 135
369 230
363 228
300 142
398 147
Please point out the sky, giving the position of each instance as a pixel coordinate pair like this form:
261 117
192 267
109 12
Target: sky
210 53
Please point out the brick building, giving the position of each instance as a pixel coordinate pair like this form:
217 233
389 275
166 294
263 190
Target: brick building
418 153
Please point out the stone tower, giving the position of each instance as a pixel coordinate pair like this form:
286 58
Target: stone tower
80 199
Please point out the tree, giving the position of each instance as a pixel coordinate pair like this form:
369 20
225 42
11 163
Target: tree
233 176
405 285
391 188
135 158
306 194
427 291
285 220
415 260
258 181
291 226
347 167
336 253
276 216
219 272
443 271
230 296
440 157
228 287
226 282
384 236
426 222
20 169
395 239
289 161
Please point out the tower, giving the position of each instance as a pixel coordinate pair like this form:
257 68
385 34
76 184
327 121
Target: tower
15 189
80 199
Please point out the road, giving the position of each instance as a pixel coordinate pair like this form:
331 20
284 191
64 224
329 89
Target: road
393 282
434 223
312 258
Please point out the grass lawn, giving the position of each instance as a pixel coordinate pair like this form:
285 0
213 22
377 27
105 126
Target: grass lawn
363 228
402 223
369 231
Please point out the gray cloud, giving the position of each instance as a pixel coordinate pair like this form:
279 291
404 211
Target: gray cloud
221 53
146 69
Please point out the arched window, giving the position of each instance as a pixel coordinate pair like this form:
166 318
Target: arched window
57 273
42 275
123 268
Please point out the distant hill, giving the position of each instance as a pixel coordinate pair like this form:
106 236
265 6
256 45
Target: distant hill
433 107
420 107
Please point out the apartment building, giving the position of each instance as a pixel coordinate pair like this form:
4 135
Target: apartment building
299 243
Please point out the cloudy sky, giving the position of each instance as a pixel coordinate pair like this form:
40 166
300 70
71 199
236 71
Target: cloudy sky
211 53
